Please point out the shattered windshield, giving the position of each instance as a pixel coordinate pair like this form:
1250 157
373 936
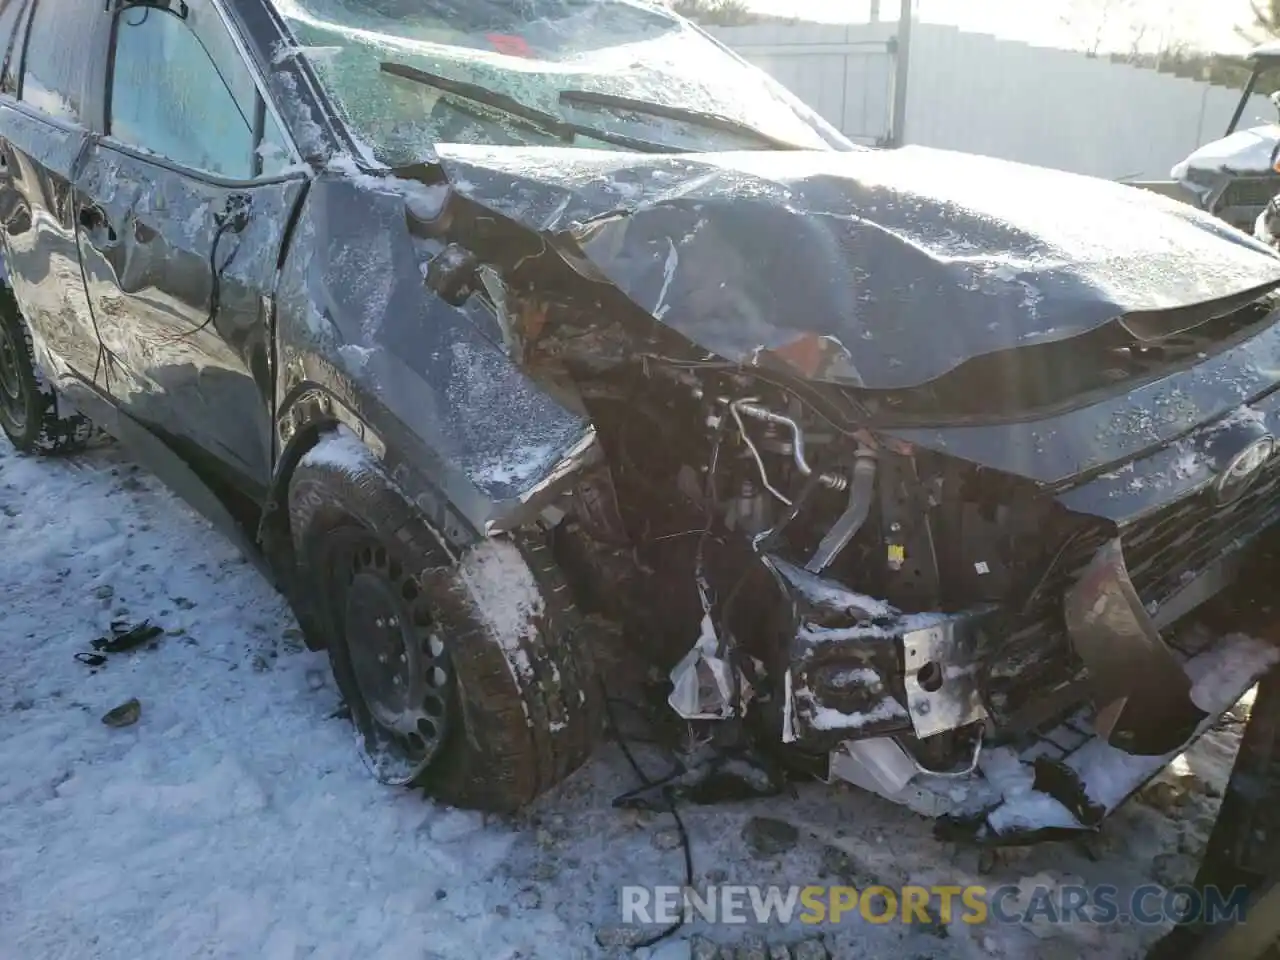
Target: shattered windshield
604 74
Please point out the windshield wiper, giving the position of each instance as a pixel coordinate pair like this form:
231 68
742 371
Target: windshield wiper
541 120
699 118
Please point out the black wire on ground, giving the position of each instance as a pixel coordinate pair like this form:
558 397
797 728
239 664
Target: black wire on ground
645 781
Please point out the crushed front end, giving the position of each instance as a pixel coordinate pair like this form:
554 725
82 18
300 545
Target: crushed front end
882 511
875 604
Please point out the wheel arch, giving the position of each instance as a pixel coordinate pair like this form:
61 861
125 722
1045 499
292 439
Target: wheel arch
307 415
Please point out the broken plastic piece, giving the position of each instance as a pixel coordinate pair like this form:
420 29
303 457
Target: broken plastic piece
878 765
1142 693
124 637
1055 778
702 682
124 715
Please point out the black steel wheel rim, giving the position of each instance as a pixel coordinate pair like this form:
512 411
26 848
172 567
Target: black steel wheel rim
13 405
399 662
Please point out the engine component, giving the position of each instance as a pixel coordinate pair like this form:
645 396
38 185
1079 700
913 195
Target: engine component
753 409
749 510
910 557
855 514
746 438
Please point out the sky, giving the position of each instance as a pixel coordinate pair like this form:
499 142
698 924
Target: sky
1204 24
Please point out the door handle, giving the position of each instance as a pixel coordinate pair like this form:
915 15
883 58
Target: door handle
94 219
141 232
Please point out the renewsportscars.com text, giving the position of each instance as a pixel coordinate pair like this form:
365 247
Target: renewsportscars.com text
1008 904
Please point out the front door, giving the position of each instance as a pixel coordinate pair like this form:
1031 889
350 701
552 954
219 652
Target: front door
46 133
183 207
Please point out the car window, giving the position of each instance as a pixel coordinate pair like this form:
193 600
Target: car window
637 72
10 11
180 88
57 57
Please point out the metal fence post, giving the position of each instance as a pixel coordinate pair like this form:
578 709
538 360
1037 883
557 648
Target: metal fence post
902 70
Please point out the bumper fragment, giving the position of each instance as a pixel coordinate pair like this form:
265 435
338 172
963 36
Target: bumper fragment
1142 694
1094 776
1150 699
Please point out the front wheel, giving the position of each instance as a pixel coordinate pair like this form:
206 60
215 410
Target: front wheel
471 676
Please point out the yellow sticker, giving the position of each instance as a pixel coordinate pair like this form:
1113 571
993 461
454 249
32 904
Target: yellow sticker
897 553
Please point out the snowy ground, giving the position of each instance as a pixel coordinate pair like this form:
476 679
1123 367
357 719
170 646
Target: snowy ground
235 820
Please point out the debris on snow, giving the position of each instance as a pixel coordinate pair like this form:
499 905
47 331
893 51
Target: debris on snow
124 715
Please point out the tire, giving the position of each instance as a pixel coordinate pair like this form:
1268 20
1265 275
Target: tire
29 407
520 704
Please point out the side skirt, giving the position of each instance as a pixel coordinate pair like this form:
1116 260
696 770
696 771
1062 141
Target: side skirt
160 459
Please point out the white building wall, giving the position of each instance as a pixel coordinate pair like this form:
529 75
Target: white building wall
977 93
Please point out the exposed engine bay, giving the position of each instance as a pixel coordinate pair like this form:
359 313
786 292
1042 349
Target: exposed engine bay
860 607
732 511
880 548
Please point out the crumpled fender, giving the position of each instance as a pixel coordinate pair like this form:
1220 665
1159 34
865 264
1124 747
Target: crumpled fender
355 320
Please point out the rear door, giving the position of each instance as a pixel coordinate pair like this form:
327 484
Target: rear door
45 120
182 209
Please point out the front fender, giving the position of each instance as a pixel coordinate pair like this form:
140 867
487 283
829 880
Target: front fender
459 421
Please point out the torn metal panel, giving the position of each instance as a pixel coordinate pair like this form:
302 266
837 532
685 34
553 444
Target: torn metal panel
1142 694
863 251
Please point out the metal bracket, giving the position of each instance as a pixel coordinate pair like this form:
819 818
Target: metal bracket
940 677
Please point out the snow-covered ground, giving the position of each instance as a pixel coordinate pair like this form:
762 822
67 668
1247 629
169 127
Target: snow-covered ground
234 819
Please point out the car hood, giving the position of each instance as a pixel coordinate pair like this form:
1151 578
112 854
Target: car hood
874 269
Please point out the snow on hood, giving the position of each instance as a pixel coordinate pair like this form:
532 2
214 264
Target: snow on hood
1245 151
881 269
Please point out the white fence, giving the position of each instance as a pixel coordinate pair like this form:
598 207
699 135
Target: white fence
973 92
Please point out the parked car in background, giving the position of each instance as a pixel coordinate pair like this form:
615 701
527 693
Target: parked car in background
1234 177
498 328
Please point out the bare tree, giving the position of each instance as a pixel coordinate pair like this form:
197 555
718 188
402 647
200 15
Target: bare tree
1093 21
1266 21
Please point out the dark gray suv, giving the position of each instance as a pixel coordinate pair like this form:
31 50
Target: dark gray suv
505 332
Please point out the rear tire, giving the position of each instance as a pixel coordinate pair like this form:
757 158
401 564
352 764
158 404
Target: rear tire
496 674
29 407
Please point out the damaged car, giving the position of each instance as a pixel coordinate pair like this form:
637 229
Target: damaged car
500 328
